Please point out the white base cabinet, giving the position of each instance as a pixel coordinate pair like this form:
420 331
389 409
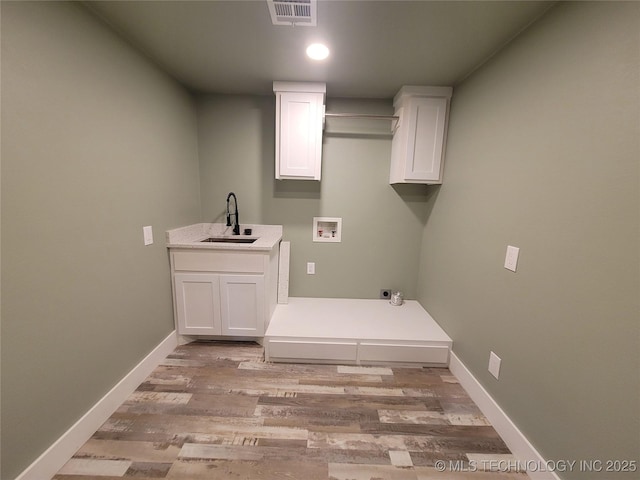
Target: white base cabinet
210 304
224 294
417 149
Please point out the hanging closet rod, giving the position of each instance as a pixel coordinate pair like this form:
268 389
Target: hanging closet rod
362 115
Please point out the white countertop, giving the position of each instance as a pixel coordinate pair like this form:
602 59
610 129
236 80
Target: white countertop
191 236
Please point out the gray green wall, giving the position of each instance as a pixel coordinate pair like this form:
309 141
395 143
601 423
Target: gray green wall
96 143
381 225
543 154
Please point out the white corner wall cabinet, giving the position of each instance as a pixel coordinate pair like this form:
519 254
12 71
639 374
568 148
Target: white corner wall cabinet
417 149
299 121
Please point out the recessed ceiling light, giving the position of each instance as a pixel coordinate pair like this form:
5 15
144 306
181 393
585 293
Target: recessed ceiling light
317 51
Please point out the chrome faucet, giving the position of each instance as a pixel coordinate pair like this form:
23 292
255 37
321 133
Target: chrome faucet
236 227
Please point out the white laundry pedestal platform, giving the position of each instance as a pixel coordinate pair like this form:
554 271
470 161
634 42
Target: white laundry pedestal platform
355 332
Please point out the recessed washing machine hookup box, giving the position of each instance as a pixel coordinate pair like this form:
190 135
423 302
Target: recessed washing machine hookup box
327 229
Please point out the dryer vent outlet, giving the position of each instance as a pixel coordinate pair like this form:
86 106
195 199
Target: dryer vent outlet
385 294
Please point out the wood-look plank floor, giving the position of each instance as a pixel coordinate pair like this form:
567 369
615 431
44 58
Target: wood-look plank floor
217 411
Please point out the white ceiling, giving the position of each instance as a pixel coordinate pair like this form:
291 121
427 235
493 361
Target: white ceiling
376 46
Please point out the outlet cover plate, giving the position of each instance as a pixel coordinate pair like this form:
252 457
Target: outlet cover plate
494 365
147 233
511 258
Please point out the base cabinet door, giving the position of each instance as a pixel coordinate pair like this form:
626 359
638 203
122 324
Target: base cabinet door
242 305
198 304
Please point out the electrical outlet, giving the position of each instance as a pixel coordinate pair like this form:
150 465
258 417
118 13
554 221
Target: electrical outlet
147 233
511 258
494 365
311 268
385 294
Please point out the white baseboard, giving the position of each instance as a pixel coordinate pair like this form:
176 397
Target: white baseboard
48 464
521 448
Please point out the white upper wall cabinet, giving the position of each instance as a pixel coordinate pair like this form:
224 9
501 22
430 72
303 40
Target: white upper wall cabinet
417 150
299 120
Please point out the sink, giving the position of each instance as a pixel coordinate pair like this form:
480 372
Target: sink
229 240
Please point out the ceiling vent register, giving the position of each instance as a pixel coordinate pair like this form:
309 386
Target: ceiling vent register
293 12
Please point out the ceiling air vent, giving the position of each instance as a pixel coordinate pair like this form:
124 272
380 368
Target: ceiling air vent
293 12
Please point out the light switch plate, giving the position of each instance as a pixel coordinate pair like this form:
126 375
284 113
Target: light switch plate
494 365
148 235
311 268
511 259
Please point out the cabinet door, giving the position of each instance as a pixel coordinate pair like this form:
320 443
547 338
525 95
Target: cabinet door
242 305
418 148
198 303
298 135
